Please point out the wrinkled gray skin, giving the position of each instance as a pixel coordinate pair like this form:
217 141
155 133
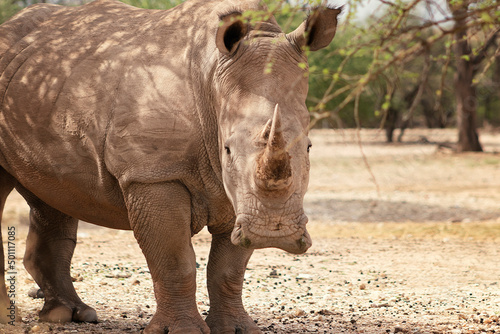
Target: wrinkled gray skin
161 122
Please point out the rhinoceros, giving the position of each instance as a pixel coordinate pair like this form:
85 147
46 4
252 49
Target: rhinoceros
159 122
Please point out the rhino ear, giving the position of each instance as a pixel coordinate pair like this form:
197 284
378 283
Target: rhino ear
318 30
230 32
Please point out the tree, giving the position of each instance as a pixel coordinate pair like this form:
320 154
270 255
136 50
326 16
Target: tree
7 9
467 64
410 32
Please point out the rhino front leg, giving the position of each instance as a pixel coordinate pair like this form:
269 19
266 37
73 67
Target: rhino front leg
160 216
225 274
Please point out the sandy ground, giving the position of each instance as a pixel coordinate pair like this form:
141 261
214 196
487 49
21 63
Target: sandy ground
406 240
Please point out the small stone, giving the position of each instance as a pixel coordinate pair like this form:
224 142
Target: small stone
35 329
299 313
380 305
118 274
273 273
303 277
35 293
136 282
362 286
77 278
399 329
325 312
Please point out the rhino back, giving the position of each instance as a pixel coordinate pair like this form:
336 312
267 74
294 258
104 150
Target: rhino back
23 23
97 95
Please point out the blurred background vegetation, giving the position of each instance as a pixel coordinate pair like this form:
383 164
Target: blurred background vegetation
393 63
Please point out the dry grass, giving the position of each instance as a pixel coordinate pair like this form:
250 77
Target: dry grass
478 231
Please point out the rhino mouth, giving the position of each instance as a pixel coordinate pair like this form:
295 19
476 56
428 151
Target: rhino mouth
289 235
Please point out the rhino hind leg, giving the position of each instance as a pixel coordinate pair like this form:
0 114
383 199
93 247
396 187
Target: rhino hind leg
49 249
7 183
225 274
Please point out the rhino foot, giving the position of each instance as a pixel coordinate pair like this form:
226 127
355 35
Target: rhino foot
234 330
84 314
224 325
63 313
159 325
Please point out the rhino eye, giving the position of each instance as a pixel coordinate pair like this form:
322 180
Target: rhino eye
228 151
309 148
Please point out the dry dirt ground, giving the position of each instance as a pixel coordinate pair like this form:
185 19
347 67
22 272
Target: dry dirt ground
406 240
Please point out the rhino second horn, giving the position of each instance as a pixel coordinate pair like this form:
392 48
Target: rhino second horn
264 134
276 140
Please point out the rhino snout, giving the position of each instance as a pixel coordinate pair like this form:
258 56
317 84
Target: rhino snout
293 238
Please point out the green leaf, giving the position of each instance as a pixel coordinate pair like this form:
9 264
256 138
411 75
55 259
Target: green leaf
465 57
302 65
486 17
269 68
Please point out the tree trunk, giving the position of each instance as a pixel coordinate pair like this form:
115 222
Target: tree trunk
390 123
496 76
465 92
431 115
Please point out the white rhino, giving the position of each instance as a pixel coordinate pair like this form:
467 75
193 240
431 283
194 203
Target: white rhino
160 122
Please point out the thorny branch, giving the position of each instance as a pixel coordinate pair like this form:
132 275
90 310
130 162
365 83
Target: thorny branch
403 43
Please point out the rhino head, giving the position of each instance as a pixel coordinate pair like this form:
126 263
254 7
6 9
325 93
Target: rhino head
261 88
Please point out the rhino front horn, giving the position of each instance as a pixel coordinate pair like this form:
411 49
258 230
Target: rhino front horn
274 169
276 141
